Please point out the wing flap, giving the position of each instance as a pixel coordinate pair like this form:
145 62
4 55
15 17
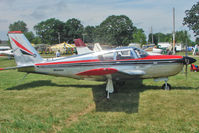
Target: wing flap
132 72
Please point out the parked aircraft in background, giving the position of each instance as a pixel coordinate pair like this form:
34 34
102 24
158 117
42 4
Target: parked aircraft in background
6 51
114 66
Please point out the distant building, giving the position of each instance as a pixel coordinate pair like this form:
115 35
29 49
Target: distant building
179 47
164 45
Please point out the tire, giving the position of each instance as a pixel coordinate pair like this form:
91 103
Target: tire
168 87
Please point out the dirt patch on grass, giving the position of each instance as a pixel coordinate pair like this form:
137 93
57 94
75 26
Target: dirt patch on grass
75 117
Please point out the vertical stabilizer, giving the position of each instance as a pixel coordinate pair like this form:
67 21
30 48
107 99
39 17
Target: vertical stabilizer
24 52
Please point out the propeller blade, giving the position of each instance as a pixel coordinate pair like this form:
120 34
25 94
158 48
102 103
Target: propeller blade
186 71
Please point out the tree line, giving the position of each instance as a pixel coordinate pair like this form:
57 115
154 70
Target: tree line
115 30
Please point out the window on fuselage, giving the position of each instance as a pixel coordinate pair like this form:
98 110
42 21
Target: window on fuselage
106 56
124 54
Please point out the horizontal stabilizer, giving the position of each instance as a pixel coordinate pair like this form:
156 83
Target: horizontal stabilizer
20 68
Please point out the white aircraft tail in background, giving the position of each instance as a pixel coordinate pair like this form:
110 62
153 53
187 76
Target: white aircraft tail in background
97 47
6 51
81 47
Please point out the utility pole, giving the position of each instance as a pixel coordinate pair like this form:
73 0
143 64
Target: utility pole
152 34
173 30
58 36
84 34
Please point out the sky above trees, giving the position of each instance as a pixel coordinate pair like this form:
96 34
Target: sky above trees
143 13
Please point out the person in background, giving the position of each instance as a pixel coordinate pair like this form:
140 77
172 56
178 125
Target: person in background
58 53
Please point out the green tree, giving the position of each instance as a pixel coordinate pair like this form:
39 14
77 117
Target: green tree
197 40
115 30
139 36
183 37
192 17
37 40
73 29
89 34
29 35
160 37
155 39
18 26
21 26
50 31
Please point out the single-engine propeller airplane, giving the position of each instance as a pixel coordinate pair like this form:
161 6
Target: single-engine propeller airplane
114 66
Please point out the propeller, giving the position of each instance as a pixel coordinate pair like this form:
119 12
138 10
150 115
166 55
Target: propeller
187 60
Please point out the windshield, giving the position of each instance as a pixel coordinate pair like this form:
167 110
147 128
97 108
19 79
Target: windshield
140 53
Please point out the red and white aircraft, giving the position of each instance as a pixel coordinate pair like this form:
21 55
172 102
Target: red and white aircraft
113 66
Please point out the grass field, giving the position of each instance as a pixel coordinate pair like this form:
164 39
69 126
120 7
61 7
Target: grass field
41 103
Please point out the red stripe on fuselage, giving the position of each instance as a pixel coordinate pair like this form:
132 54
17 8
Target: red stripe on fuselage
1 69
97 72
21 46
150 57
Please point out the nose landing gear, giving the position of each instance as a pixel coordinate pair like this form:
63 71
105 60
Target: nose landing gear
166 86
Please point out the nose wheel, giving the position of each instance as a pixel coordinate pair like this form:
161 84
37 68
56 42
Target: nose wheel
166 86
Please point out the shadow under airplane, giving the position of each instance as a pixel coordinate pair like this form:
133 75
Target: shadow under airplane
125 100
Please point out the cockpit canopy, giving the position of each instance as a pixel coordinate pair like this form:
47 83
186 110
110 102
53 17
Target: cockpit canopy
123 53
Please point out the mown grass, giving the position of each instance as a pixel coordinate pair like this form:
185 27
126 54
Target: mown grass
41 103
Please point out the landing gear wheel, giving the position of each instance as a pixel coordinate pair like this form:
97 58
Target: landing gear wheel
107 95
166 88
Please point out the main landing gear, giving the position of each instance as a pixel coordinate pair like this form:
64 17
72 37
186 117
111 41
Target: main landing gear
109 86
112 87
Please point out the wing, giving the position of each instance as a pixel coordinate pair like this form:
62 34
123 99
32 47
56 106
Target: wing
116 74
